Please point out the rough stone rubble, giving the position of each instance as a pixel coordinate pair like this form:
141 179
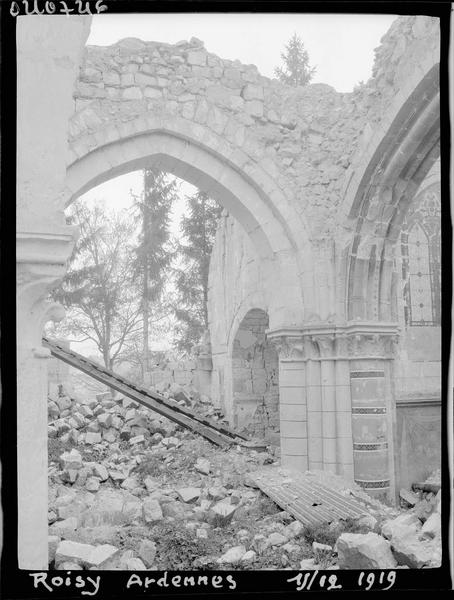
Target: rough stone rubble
130 490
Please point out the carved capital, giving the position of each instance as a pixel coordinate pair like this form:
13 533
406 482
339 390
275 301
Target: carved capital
325 343
373 343
290 345
41 263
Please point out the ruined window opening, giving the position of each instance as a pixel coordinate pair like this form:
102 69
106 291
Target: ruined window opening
421 265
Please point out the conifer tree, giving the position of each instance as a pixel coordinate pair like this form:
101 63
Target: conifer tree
296 69
198 228
153 254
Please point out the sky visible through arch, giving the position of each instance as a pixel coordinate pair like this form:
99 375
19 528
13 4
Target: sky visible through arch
340 46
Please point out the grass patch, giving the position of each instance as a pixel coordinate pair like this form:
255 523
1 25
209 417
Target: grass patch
329 533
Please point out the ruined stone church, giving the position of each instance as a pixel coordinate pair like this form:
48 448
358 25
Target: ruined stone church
325 278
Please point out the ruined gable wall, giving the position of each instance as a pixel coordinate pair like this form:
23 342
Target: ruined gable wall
321 151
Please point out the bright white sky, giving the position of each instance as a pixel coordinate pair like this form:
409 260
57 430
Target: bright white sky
340 46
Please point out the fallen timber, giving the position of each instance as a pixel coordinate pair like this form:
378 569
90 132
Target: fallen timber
207 428
305 498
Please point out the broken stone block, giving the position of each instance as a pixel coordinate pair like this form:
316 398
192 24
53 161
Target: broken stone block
100 471
125 433
249 556
138 439
51 516
409 497
134 564
217 493
151 484
368 521
316 547
101 554
52 543
221 513
177 509
117 475
85 411
308 564
69 475
53 411
82 476
130 414
202 465
117 422
110 435
409 550
94 427
73 552
63 402
423 510
232 556
171 442
147 552
104 420
276 539
432 527
364 551
189 494
92 484
71 460
69 566
152 510
404 523
293 529
129 483
260 543
92 437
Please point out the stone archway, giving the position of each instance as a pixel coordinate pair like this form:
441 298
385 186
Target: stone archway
374 207
215 174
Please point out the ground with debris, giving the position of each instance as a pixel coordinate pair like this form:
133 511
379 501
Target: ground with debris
131 490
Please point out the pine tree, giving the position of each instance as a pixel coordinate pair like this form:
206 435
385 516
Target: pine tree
296 69
198 229
153 254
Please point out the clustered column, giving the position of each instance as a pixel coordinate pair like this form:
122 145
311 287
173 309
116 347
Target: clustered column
336 401
292 401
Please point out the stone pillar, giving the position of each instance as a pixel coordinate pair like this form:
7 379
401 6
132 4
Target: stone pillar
337 400
292 398
49 51
344 438
35 276
371 352
325 344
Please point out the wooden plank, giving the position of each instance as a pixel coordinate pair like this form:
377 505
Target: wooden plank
306 499
147 400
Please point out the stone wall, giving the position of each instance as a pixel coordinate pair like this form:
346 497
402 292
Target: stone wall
305 138
255 366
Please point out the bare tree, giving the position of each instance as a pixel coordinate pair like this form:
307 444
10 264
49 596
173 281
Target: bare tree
102 301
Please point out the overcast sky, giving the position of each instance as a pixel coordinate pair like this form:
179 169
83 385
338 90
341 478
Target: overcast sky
340 46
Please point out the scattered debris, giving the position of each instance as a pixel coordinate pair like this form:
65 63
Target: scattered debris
172 500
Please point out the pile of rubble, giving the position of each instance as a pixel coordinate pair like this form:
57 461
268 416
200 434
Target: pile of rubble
131 490
412 540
